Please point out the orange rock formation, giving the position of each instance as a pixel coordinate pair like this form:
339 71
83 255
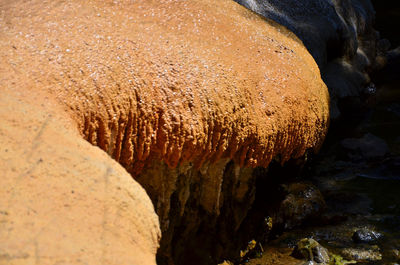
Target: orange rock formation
172 90
62 200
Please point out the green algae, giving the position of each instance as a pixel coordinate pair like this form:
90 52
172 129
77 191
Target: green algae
338 260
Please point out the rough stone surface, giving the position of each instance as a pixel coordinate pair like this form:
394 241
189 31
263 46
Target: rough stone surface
62 200
311 250
302 203
365 236
340 36
188 96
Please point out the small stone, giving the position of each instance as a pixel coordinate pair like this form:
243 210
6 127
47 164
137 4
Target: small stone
303 202
311 250
320 254
365 236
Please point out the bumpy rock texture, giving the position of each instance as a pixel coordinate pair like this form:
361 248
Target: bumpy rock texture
340 36
188 96
62 200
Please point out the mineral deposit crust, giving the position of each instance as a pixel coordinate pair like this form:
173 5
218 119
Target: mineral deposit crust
177 88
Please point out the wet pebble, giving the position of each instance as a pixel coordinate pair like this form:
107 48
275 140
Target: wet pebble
311 250
365 236
303 203
320 254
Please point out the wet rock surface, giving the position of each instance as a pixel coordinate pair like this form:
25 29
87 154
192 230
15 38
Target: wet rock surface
311 250
302 203
365 236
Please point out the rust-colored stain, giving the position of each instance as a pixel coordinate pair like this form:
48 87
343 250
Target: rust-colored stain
172 80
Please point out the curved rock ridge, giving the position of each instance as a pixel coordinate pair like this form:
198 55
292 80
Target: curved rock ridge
187 96
62 200
340 36
159 80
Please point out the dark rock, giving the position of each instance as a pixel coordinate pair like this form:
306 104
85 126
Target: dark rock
367 147
311 250
365 236
394 55
303 202
318 23
320 254
338 34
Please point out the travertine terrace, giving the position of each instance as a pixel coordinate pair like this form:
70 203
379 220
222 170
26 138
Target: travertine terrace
177 92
